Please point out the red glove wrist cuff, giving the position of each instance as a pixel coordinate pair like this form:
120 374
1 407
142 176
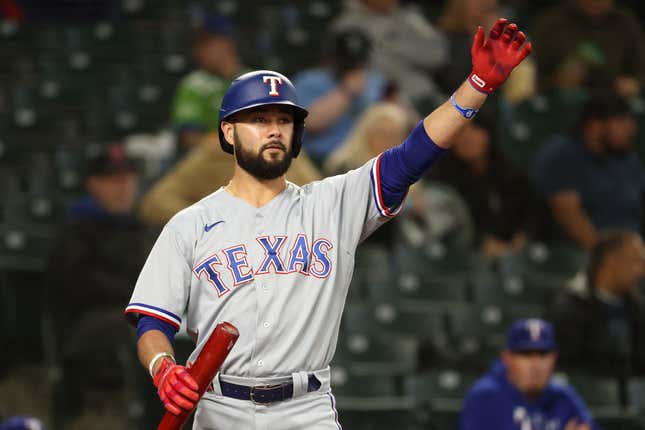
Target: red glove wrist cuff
479 84
161 371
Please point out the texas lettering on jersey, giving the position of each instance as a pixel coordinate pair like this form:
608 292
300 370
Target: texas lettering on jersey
300 258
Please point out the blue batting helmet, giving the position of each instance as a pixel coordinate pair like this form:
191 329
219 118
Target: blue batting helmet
260 88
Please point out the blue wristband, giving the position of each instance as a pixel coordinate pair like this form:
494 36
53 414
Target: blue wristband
467 113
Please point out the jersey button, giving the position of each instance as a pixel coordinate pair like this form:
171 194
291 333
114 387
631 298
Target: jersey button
266 324
260 362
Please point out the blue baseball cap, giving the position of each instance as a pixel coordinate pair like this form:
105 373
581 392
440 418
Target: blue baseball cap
218 25
532 334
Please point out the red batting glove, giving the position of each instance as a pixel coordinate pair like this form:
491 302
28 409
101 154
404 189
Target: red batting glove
494 59
176 388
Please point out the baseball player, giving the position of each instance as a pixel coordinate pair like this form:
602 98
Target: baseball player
518 393
275 259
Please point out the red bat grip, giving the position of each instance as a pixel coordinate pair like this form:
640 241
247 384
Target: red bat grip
206 365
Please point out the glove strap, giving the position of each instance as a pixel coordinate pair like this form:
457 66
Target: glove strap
479 84
156 358
467 113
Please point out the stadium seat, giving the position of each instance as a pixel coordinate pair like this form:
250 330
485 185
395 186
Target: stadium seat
443 390
620 421
386 319
543 266
506 291
636 395
372 266
476 335
376 355
345 383
357 414
533 121
601 394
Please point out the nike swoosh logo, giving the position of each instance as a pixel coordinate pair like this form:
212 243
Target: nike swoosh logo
209 227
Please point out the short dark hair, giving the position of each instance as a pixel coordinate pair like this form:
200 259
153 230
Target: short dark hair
604 104
347 49
609 241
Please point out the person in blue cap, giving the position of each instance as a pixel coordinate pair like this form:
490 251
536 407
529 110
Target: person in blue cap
518 393
199 94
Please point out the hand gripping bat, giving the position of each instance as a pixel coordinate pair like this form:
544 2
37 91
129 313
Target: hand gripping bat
208 362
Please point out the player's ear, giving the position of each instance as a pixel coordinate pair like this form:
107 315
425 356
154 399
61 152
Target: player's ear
228 129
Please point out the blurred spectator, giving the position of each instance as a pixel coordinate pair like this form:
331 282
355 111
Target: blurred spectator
593 179
199 174
600 318
589 42
407 48
459 21
337 92
498 195
381 127
195 109
99 255
22 423
519 393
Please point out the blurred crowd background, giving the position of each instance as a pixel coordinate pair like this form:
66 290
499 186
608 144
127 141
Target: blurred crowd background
108 127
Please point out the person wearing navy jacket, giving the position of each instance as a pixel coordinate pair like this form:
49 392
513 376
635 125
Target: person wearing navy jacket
519 393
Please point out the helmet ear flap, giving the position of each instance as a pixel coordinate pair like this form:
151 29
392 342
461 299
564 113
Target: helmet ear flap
298 135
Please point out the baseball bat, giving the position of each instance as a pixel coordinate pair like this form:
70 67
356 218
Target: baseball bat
206 365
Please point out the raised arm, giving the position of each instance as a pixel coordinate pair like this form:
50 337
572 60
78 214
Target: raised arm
493 59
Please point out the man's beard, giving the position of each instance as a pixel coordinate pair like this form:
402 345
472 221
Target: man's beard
259 167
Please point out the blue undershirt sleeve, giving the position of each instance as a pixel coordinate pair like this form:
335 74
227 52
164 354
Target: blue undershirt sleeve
147 323
404 165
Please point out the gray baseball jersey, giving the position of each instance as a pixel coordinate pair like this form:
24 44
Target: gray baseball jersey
279 273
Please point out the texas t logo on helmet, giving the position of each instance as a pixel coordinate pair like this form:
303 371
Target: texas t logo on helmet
274 81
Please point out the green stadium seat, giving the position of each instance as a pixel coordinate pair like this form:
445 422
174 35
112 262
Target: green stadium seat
476 335
442 390
386 319
533 121
445 420
377 414
434 275
620 421
601 394
636 395
372 266
345 383
543 266
25 246
507 291
437 257
373 355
